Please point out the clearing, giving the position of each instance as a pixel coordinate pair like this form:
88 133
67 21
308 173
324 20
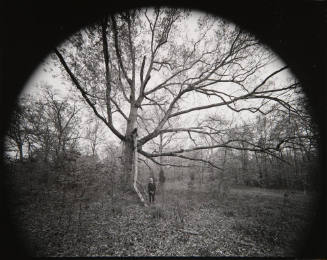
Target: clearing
185 221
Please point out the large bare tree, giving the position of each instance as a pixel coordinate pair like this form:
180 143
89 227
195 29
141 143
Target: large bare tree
178 63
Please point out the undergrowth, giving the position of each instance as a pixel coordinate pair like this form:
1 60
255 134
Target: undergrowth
184 222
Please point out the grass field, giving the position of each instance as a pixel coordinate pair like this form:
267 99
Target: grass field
183 222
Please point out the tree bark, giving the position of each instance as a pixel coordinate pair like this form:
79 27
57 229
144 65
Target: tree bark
135 170
128 150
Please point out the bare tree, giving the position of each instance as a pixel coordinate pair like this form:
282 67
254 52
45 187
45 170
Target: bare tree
62 118
17 134
50 124
132 62
94 135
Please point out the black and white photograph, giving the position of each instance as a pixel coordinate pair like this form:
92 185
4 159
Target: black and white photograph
164 130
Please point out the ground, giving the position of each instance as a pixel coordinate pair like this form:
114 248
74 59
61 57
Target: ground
184 221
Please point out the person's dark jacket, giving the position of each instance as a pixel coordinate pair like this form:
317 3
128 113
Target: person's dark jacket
151 188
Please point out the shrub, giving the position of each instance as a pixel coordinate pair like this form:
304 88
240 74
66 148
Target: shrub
179 216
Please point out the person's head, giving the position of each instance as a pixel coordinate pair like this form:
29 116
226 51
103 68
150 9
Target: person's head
151 180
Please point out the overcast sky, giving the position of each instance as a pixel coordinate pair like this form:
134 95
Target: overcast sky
47 74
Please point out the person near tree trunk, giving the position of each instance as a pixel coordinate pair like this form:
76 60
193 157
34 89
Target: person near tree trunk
151 190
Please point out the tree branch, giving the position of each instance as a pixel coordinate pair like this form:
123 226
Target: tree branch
117 48
150 156
84 94
242 97
107 73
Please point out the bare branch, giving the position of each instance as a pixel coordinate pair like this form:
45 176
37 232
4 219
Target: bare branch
242 97
150 156
117 48
84 94
106 61
179 129
174 165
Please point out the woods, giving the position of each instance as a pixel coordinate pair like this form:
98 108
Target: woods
192 101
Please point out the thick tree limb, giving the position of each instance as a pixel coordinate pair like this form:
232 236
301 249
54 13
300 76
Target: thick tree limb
179 129
242 97
166 164
107 73
84 94
117 48
132 55
254 148
150 156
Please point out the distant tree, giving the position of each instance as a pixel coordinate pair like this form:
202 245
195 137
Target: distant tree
17 134
94 135
63 121
47 126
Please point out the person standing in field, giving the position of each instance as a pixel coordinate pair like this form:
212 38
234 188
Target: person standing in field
151 190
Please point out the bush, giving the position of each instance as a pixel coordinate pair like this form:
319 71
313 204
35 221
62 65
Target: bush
179 215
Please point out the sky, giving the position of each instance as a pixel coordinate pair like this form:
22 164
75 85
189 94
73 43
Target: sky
45 74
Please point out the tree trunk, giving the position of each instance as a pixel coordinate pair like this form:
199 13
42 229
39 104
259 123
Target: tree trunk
21 154
126 177
162 177
135 170
128 150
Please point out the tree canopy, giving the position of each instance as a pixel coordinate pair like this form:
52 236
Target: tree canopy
176 72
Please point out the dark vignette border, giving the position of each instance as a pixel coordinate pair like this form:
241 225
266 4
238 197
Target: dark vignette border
295 30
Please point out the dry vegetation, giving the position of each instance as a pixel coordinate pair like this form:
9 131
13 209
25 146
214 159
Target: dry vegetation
187 219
